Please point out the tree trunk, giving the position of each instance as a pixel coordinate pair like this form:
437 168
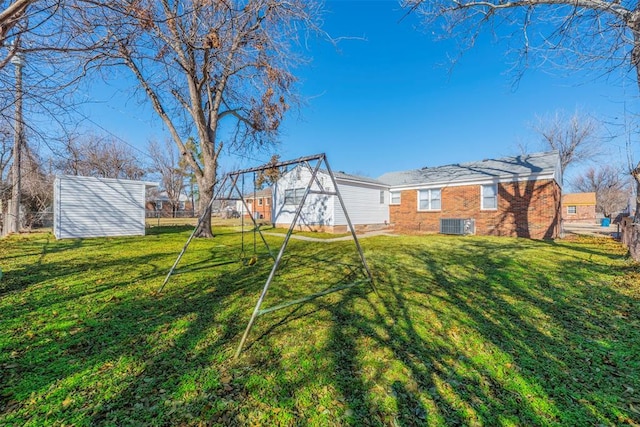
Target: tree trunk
636 176
204 207
635 62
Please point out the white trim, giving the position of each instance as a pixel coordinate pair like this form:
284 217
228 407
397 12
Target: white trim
348 181
91 178
482 207
430 199
391 202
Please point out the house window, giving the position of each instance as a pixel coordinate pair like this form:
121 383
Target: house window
268 201
489 196
572 209
395 198
429 200
181 205
293 196
382 197
158 205
259 202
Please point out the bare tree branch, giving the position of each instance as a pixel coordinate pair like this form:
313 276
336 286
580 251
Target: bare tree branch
612 188
576 137
572 33
200 64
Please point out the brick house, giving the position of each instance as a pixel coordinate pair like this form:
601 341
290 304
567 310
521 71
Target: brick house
512 196
260 204
579 208
159 205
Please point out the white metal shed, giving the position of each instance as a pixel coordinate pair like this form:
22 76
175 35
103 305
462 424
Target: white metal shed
98 207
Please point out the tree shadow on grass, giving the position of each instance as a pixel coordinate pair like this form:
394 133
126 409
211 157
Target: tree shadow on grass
465 332
121 356
477 334
542 336
140 353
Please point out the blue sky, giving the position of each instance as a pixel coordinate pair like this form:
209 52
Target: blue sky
386 99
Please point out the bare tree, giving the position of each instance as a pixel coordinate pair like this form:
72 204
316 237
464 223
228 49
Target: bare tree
217 71
578 34
6 146
575 137
37 82
6 154
12 14
90 155
31 24
611 188
172 169
36 188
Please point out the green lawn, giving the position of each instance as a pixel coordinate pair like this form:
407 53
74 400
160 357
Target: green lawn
465 331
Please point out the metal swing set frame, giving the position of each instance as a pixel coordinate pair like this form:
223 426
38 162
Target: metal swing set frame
312 164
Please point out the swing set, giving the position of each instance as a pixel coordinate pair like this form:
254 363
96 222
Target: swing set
254 257
313 165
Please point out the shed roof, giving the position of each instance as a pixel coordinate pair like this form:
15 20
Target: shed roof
357 178
89 179
346 177
583 199
503 168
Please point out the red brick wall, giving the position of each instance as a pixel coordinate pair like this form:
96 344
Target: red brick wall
264 210
584 214
167 211
525 209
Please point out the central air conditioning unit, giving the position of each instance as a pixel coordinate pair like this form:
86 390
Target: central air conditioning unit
457 226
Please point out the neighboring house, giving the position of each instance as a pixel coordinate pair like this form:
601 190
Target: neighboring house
159 204
513 196
366 201
98 207
259 204
579 208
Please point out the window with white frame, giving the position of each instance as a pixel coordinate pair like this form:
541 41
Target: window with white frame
158 205
489 196
260 202
572 209
395 198
293 196
181 205
382 197
429 200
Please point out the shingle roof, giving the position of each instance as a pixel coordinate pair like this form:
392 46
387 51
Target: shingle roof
579 199
266 192
507 167
364 179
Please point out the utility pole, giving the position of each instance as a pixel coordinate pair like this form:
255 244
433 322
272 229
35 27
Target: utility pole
13 225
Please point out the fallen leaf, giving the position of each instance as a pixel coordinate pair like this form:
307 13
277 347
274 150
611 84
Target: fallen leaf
66 402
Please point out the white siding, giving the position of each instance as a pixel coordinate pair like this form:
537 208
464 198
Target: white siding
318 209
95 207
363 204
362 201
